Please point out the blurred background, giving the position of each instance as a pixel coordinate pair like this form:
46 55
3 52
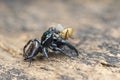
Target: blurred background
35 16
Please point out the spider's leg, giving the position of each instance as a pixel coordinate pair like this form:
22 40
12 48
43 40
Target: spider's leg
33 53
26 45
39 41
58 49
30 62
30 57
70 46
44 50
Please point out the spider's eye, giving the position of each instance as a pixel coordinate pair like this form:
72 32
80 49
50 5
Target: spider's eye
67 33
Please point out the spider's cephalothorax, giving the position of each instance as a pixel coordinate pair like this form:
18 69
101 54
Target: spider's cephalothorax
47 40
50 39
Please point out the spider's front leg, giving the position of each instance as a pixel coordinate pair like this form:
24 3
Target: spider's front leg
24 48
30 41
65 42
33 49
33 53
55 48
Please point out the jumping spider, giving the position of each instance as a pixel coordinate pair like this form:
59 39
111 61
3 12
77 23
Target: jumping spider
51 39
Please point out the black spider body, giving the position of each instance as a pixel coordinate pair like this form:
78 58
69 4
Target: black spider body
48 41
47 38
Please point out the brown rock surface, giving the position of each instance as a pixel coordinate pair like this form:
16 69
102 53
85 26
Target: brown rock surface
96 32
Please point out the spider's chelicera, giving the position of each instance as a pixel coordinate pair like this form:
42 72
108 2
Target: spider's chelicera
51 39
